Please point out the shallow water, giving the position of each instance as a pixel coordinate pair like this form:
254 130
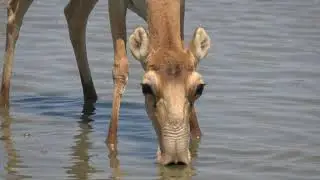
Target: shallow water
260 112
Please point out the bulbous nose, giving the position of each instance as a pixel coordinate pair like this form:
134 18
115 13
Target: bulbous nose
174 143
173 155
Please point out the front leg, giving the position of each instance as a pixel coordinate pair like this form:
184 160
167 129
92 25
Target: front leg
117 17
15 13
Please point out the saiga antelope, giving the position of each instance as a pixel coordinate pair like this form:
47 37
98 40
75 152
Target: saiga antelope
171 83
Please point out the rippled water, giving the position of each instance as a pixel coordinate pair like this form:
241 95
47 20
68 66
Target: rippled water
260 113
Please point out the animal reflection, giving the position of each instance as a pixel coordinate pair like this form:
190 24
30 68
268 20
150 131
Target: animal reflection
14 160
80 157
82 165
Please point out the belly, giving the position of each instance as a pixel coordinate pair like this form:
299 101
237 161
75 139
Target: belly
139 7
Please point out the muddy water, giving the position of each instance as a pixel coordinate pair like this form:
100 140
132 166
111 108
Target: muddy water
260 113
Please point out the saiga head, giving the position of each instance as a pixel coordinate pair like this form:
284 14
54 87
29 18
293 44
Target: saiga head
171 85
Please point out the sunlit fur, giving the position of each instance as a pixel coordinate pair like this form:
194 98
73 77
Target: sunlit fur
172 77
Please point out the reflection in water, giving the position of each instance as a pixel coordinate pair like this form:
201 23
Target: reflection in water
114 164
176 172
194 146
14 159
164 172
81 167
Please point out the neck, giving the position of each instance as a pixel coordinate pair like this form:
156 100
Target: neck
164 24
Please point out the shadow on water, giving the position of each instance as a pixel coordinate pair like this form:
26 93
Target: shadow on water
14 160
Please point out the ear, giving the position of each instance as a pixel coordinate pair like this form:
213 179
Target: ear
139 44
200 43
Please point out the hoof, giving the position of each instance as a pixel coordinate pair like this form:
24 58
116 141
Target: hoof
88 107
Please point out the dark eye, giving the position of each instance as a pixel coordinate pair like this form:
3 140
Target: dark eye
199 89
146 89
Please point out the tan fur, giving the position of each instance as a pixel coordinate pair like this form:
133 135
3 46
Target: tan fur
170 70
16 11
164 24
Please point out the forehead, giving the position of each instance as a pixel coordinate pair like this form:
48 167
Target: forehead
171 65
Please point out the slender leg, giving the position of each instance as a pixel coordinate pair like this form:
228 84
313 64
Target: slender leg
194 125
117 17
182 9
77 13
15 13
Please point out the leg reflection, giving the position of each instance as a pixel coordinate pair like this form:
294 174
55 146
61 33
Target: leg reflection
81 167
114 164
14 160
194 146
